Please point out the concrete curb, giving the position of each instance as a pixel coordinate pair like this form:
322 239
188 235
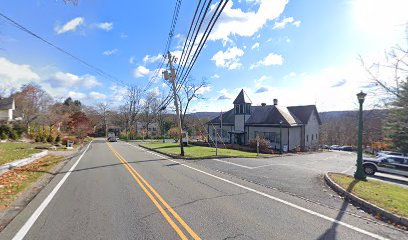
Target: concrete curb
371 208
8 166
201 158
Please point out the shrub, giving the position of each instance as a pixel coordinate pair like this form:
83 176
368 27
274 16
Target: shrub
50 138
3 136
13 135
174 133
6 129
58 139
264 144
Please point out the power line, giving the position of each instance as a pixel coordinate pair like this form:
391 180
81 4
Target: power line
94 68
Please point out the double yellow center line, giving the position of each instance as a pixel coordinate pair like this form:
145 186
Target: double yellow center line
156 198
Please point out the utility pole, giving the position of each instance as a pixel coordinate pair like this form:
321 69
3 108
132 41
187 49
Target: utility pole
172 78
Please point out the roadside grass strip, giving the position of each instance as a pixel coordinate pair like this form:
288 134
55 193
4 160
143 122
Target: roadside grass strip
155 197
16 181
13 151
193 151
384 195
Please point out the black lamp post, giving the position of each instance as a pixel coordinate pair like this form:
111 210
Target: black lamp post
280 137
359 174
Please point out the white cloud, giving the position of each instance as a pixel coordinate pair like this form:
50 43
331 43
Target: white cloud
258 82
271 59
13 75
235 22
140 71
96 95
204 90
215 76
70 26
107 26
152 59
228 59
76 95
65 79
282 24
225 95
132 60
110 52
256 45
123 35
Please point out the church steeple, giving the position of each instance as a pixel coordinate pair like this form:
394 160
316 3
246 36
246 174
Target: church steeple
242 104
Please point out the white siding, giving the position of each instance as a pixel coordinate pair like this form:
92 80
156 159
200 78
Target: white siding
239 122
225 133
312 131
294 135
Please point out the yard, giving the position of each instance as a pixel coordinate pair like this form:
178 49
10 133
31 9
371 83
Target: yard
14 151
193 151
14 182
387 196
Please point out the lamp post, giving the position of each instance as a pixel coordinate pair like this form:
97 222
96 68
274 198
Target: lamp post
280 137
359 174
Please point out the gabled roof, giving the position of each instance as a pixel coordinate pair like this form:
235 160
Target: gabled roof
6 103
304 112
242 98
271 115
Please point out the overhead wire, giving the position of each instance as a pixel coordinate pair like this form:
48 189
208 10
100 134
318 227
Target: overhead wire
97 70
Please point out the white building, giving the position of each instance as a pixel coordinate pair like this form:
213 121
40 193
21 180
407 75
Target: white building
298 125
7 106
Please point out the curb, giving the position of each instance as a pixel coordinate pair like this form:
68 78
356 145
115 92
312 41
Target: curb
21 162
371 208
201 158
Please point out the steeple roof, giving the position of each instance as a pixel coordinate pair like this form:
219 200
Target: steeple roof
242 98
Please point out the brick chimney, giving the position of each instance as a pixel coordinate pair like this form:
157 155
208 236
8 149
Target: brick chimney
263 104
275 101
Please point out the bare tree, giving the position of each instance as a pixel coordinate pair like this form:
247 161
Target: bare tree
189 91
389 75
131 108
103 109
151 109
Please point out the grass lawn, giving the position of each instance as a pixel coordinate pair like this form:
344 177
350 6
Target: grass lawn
14 151
387 196
14 182
199 151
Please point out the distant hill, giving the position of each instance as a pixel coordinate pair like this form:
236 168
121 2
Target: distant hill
375 113
205 115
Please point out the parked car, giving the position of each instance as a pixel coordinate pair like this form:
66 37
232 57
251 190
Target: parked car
334 147
386 164
389 153
325 147
347 148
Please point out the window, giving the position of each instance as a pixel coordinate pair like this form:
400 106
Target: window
312 137
237 109
248 108
271 136
307 138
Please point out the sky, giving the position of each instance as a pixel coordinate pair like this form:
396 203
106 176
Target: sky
299 52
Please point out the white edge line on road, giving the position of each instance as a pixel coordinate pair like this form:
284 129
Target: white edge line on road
373 235
30 222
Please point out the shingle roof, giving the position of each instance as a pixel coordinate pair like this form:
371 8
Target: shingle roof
272 115
304 112
242 98
6 103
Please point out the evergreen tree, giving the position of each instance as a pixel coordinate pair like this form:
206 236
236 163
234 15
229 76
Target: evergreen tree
398 120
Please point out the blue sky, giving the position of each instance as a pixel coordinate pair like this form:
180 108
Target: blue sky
301 52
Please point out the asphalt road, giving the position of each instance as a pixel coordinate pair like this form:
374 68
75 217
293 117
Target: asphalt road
120 191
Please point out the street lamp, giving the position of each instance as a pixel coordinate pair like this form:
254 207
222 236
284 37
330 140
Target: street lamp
280 137
359 174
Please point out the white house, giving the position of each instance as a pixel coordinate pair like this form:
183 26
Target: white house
7 106
298 126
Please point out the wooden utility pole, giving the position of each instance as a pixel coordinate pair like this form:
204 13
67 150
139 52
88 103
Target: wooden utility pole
172 78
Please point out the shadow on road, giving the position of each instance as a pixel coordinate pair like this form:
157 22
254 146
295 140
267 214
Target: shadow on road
331 232
96 167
